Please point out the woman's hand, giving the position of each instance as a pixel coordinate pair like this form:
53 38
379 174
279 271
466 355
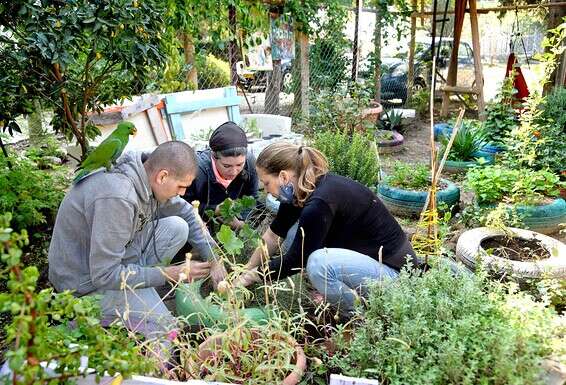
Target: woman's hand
217 272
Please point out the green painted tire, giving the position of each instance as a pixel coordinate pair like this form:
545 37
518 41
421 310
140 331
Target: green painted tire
545 219
408 203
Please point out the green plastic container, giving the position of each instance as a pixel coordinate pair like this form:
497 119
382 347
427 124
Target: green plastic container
199 311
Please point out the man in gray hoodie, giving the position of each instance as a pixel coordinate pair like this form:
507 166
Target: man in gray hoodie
117 231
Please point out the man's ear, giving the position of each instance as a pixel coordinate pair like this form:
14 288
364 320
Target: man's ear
161 176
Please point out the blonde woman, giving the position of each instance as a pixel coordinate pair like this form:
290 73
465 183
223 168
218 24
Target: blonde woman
341 227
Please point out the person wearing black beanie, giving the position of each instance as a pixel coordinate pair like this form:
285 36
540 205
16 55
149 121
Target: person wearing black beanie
226 170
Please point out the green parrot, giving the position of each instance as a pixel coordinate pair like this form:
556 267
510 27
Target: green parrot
107 152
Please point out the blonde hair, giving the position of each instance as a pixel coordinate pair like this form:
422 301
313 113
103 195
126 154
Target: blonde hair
308 163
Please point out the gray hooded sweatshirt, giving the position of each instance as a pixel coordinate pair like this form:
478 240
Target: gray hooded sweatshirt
99 217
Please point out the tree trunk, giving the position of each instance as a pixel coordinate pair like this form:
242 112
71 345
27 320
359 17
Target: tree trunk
37 134
355 50
274 79
232 45
189 51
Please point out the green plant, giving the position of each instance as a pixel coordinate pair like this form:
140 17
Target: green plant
42 330
501 117
354 156
420 101
213 72
331 111
409 176
391 120
467 143
494 184
32 196
83 55
459 329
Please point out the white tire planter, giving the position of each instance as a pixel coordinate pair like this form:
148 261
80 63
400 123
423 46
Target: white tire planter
470 252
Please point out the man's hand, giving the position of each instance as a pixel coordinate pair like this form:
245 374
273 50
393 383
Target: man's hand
217 272
188 271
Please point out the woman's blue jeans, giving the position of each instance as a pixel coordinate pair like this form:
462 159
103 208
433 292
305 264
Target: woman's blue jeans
341 275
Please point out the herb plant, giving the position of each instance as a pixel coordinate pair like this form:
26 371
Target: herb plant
42 330
354 155
441 328
494 184
409 176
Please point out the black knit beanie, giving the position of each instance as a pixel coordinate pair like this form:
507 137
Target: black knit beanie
227 136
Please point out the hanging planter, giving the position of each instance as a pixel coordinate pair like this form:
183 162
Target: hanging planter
409 203
521 253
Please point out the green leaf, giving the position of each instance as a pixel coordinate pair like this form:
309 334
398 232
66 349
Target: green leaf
231 243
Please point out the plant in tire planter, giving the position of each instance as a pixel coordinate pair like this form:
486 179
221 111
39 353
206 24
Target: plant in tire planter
405 188
467 143
516 252
530 193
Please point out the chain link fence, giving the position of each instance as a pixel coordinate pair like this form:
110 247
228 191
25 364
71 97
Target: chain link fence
274 86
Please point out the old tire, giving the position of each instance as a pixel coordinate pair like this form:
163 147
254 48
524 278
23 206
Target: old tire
408 203
454 166
393 145
470 252
545 219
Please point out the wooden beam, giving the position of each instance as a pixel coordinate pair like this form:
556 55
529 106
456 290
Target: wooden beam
459 90
482 10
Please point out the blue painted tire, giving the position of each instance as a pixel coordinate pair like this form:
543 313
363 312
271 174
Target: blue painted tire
406 203
442 130
493 149
545 219
455 166
488 156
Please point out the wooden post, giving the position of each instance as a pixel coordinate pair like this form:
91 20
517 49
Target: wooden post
411 69
189 51
561 76
377 53
305 73
274 78
477 58
355 49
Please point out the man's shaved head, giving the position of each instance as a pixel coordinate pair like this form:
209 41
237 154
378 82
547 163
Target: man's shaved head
178 158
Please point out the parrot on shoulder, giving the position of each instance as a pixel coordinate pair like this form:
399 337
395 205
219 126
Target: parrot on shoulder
107 152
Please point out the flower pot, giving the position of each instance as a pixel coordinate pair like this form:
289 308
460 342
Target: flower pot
371 115
407 203
470 252
388 146
213 345
545 218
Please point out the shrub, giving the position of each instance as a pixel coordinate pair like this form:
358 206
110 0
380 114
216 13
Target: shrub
409 176
494 183
354 156
441 328
212 72
32 196
420 101
554 107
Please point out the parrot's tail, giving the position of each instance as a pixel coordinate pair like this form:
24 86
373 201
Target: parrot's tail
80 176
83 174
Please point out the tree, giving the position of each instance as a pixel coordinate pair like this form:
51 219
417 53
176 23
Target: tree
84 54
